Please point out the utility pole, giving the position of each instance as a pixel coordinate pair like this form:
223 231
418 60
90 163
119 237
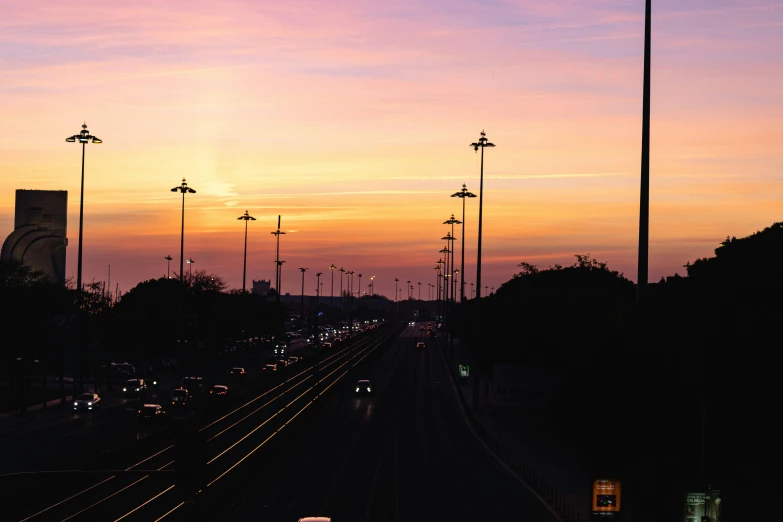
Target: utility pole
247 217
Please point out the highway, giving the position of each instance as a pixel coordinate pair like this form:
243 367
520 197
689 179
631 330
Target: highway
303 449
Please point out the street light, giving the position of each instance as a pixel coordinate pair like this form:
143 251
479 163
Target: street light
331 293
84 137
482 143
247 217
453 221
472 293
463 194
301 316
278 263
190 270
429 291
185 190
419 290
409 290
359 293
350 301
372 286
168 265
449 251
395 288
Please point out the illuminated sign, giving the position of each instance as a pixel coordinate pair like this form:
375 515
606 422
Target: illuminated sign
702 506
606 499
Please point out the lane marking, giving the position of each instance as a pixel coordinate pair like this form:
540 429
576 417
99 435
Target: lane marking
142 505
67 499
105 498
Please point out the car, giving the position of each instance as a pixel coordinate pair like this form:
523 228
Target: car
363 387
423 328
336 340
281 348
282 363
292 359
87 401
134 387
194 385
412 323
179 398
315 519
326 345
238 372
151 413
219 390
421 344
269 368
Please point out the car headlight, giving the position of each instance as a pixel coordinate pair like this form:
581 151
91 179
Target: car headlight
369 389
357 389
154 383
89 404
125 389
75 403
138 389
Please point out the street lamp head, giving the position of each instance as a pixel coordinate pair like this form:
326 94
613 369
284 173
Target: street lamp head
303 269
84 136
168 258
332 267
319 274
184 188
247 217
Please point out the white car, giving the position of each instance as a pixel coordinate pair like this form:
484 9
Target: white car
87 401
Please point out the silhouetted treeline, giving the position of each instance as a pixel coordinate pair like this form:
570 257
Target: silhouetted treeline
638 380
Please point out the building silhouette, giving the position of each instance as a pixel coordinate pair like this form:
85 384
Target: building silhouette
261 287
39 238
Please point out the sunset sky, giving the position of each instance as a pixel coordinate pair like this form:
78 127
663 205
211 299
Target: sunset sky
353 120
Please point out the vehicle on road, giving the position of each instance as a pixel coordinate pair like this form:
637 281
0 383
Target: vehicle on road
363 387
282 363
194 385
293 359
423 328
421 344
218 390
315 519
134 387
281 348
87 401
269 368
326 346
179 398
151 413
412 323
238 372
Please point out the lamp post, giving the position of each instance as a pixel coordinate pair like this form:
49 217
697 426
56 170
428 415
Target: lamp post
350 301
463 194
301 316
278 263
184 189
409 290
84 137
331 293
372 286
168 258
396 280
359 293
644 193
429 291
452 221
449 251
419 290
247 217
482 143
190 270
472 293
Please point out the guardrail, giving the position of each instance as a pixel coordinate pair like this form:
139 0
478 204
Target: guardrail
521 469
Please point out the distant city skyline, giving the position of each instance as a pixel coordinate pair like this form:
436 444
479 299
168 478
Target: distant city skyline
354 124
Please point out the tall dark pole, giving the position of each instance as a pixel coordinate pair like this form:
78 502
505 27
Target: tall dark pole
331 292
278 263
350 302
481 143
342 271
247 217
419 290
359 293
184 189
168 259
301 316
83 137
463 194
644 193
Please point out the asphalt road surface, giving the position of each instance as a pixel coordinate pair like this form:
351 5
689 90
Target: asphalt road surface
310 446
